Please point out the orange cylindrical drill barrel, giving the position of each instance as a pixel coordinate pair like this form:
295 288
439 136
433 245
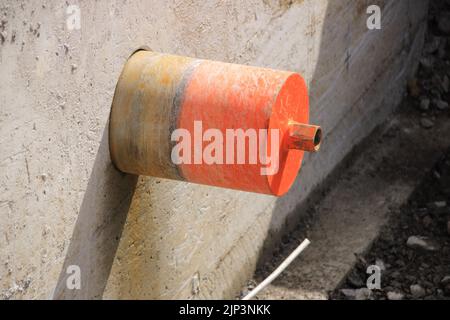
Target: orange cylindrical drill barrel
158 95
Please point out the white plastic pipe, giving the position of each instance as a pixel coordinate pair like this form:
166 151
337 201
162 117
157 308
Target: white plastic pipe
278 270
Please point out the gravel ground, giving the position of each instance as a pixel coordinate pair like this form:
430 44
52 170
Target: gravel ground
413 250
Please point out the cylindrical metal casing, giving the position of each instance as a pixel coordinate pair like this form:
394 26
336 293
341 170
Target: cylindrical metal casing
160 93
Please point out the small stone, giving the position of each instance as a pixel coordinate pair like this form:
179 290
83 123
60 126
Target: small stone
349 293
440 204
424 265
421 243
73 67
443 22
417 291
251 284
436 209
357 294
427 63
445 281
441 105
363 294
392 295
425 104
426 123
437 175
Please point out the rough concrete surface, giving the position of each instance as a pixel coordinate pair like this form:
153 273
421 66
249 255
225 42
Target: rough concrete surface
62 203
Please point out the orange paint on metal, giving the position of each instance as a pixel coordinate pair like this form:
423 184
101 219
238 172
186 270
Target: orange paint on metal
227 96
292 105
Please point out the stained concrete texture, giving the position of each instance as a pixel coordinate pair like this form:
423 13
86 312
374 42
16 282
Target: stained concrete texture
61 201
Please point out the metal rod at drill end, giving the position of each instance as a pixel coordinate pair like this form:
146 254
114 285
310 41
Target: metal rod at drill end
304 137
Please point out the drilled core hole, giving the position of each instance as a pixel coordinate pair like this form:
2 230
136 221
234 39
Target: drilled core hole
318 137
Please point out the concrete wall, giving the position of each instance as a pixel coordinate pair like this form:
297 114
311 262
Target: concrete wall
61 201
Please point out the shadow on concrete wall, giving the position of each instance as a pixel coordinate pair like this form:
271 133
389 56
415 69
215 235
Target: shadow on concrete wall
98 228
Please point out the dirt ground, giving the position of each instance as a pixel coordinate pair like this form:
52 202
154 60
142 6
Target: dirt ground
411 269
